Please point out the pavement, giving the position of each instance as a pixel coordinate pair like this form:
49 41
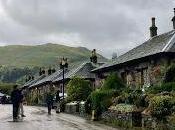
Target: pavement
38 119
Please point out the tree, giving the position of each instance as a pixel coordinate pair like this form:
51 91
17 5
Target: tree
78 89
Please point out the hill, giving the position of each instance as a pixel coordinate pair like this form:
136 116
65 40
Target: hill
42 55
17 61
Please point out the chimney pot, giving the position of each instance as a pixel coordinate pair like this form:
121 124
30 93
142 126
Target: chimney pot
93 57
153 21
153 28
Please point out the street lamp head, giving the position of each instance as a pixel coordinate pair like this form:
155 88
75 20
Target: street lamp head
63 63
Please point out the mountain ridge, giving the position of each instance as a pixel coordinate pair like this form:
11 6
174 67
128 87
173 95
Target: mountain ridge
42 55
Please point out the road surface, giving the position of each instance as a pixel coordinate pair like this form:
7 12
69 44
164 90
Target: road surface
37 119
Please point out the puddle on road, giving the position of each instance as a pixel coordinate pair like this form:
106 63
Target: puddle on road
40 112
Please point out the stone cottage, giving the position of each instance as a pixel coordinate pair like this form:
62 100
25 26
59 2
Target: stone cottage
42 86
144 65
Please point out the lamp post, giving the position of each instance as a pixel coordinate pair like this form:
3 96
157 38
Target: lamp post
63 66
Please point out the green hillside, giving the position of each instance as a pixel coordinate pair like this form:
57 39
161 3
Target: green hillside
41 55
17 61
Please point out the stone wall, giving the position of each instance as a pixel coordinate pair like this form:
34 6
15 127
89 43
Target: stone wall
77 108
126 120
140 75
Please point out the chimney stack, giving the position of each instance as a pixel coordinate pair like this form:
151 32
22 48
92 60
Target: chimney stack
173 20
93 58
49 71
153 28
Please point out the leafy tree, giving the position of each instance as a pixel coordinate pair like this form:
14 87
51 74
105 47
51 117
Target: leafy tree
78 89
10 74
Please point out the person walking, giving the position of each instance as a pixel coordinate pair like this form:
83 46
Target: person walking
15 98
58 101
21 107
49 101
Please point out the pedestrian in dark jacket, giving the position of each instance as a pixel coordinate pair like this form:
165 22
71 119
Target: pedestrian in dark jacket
49 101
15 98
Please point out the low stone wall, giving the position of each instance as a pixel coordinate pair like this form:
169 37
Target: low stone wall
126 120
72 107
77 108
82 109
149 122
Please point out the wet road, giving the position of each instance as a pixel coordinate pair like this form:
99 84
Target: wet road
37 119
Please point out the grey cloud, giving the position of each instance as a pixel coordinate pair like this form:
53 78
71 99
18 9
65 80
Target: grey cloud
108 25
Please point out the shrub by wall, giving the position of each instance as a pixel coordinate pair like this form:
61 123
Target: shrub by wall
78 89
161 106
165 87
101 99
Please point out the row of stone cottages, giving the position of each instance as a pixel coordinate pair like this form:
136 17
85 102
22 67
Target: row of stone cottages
140 67
39 86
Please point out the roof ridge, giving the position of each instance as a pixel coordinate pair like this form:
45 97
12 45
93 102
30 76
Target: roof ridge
145 42
170 43
77 69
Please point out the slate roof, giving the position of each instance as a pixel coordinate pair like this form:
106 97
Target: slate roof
158 44
49 78
31 82
83 71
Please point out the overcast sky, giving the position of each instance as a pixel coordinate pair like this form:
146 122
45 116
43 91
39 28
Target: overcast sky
107 25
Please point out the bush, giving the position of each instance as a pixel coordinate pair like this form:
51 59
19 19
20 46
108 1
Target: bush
168 86
172 119
165 87
78 89
113 82
161 106
169 75
135 98
101 100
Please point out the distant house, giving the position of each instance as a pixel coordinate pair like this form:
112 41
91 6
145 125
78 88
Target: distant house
145 65
29 90
43 85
